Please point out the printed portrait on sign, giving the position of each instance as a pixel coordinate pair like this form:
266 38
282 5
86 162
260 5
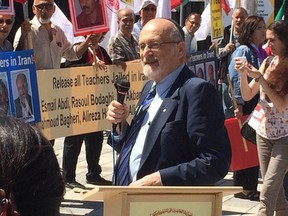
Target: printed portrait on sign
192 68
88 16
4 95
6 7
210 73
200 71
23 101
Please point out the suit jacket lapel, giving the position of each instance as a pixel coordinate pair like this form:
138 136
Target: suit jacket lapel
165 110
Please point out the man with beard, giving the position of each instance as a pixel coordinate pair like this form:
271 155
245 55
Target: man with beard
48 40
23 104
91 14
6 24
177 136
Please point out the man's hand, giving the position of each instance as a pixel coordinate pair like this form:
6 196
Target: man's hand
25 27
153 179
117 112
93 40
229 47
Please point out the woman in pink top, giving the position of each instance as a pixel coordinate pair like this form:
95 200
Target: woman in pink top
270 117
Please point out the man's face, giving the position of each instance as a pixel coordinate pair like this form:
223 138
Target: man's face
148 13
192 24
210 72
160 53
126 23
22 88
6 24
238 18
43 9
87 6
3 96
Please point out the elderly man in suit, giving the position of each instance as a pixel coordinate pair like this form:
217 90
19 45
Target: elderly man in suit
177 136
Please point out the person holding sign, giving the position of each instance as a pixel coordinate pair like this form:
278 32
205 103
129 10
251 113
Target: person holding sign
270 117
93 141
6 24
251 38
177 136
91 14
48 40
226 48
192 24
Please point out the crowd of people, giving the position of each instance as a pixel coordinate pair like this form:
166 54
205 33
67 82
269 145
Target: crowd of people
177 136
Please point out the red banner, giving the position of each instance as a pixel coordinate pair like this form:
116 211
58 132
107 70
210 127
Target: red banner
241 159
175 3
225 6
21 1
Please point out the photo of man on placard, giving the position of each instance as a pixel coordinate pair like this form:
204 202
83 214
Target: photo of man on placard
88 16
91 14
4 95
210 73
200 72
23 103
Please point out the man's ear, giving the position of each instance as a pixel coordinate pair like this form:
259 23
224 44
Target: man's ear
181 47
54 8
34 9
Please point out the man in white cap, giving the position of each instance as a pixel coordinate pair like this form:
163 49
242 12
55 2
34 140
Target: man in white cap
147 12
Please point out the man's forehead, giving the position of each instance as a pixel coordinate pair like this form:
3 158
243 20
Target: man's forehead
6 16
36 2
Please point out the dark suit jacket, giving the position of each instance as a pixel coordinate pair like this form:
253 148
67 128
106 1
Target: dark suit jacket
18 108
187 141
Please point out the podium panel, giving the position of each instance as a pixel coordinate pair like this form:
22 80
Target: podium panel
160 201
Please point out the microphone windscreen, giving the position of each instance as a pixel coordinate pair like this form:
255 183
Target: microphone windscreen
122 85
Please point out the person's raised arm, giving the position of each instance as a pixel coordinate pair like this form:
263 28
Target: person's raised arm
20 41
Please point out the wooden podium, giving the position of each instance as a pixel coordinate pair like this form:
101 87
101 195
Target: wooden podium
160 201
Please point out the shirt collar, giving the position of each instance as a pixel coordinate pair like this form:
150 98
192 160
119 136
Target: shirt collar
38 24
164 85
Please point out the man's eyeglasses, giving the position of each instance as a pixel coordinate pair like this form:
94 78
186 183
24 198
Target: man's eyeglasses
7 21
193 23
42 6
155 46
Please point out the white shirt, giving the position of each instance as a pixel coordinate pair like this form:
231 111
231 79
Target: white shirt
48 54
190 43
162 89
136 29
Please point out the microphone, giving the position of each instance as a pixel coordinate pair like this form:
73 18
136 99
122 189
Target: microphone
122 87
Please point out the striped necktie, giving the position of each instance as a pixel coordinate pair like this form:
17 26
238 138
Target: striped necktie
122 172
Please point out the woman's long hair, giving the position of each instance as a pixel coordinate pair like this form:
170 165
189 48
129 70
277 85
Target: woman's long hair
278 77
29 170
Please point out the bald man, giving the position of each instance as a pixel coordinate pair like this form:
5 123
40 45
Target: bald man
177 136
123 46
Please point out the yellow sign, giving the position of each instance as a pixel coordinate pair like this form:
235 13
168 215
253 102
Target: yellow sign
74 100
216 20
